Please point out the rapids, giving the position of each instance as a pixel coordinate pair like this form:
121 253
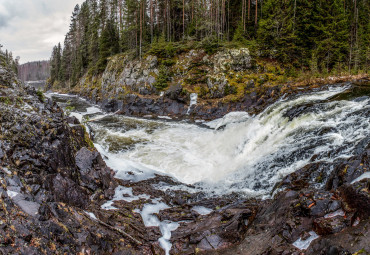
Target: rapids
238 153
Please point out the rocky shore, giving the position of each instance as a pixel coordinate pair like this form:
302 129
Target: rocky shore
219 83
54 183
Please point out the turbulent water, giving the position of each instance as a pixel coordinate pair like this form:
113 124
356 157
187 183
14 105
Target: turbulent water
238 153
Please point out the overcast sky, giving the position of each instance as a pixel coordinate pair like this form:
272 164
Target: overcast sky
30 28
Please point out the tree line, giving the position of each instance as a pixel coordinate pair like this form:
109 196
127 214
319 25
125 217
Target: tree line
318 35
34 71
6 57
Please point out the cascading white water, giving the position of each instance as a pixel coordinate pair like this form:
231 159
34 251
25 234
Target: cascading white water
248 154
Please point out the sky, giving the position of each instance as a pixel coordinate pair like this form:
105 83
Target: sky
31 28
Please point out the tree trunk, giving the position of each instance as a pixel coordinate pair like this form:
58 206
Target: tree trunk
243 11
151 21
256 12
141 25
183 19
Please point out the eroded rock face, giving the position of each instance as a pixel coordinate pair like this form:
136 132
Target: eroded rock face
234 59
50 178
125 75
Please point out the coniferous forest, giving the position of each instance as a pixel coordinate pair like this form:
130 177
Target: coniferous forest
314 35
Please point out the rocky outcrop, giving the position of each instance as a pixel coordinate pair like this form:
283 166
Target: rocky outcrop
160 85
52 180
177 105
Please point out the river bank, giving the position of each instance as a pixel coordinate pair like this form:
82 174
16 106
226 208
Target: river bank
176 105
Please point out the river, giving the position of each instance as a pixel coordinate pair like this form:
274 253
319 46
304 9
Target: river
238 153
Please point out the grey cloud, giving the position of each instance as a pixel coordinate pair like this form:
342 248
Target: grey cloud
30 28
3 21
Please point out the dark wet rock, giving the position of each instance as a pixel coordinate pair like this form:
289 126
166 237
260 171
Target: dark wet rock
29 207
357 197
326 226
299 110
320 208
72 120
93 172
67 191
44 193
174 92
349 241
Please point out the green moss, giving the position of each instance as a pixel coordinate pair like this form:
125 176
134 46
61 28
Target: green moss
5 100
229 90
87 139
69 109
168 62
320 178
40 95
362 251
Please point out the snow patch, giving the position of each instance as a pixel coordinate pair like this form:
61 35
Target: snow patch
91 215
365 175
202 210
12 194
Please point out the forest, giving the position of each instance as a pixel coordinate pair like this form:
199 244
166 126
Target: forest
34 71
319 36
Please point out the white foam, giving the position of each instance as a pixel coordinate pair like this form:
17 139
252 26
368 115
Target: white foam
165 117
126 169
304 244
108 205
193 101
148 211
249 155
232 117
150 220
123 194
166 228
365 175
202 210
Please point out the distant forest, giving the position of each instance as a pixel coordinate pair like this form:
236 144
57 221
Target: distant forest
34 71
314 35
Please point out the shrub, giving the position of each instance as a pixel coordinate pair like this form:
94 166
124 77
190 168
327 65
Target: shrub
163 78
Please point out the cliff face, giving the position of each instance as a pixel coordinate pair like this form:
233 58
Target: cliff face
194 71
160 85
